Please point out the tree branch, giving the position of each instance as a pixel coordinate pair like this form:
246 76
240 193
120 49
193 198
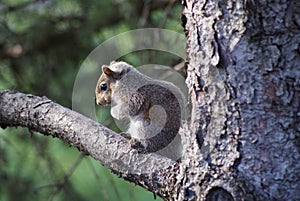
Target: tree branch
40 114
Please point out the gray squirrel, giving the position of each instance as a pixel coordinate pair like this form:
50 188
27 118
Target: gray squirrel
154 107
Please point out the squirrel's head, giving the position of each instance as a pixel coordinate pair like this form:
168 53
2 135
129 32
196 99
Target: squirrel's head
107 81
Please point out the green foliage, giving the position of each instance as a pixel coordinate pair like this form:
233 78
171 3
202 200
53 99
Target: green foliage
32 168
42 45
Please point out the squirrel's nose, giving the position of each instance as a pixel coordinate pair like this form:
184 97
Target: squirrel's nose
98 101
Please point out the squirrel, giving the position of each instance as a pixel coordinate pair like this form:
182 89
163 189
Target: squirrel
154 107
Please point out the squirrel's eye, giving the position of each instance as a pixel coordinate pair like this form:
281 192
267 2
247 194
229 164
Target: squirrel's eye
103 87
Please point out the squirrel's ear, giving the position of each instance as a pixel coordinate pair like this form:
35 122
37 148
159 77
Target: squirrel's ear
108 72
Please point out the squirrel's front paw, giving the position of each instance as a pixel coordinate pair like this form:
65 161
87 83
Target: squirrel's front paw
136 144
125 135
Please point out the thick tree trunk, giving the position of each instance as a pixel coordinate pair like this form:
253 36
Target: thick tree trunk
242 142
244 79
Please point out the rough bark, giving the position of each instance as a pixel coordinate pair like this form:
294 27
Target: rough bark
244 81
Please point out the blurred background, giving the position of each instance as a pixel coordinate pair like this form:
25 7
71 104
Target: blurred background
42 45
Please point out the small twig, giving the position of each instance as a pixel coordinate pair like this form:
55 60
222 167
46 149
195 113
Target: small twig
167 12
113 184
105 197
179 66
63 181
145 13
